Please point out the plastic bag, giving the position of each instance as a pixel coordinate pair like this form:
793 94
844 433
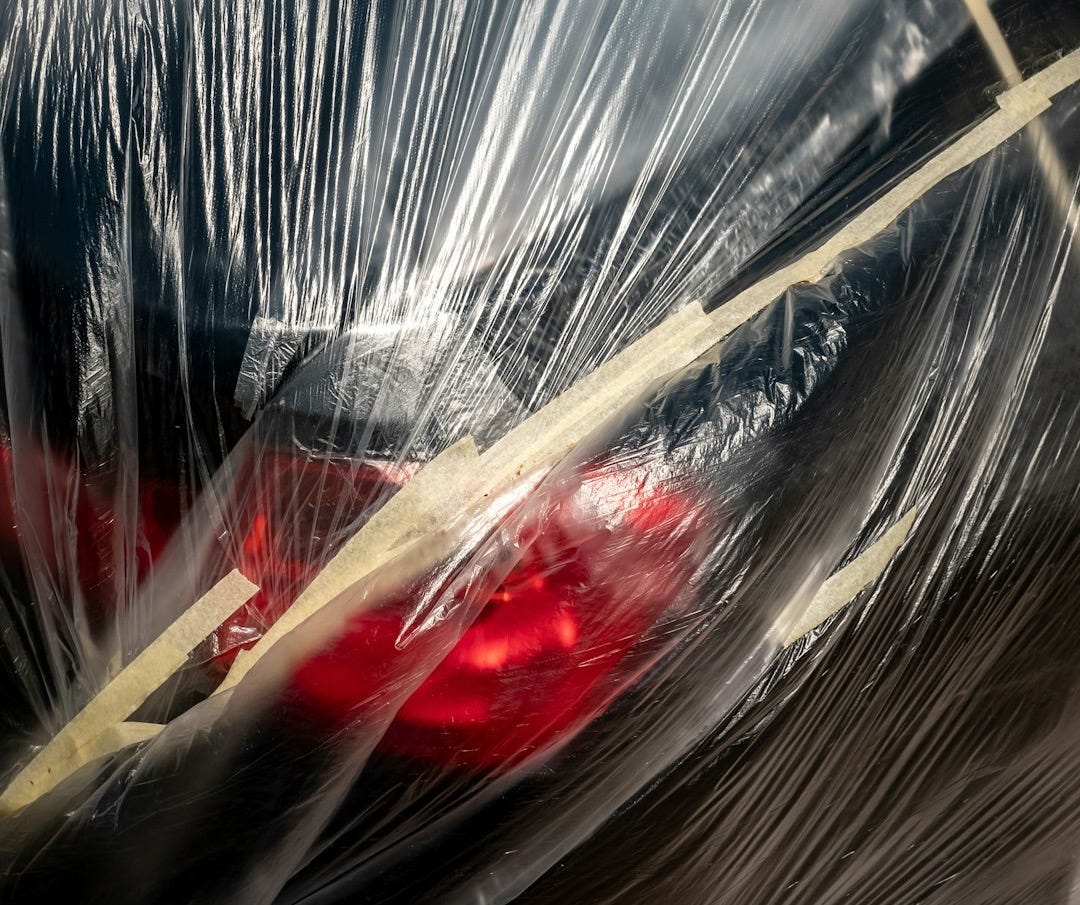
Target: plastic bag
283 280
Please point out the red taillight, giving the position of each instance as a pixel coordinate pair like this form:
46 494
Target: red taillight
543 655
600 564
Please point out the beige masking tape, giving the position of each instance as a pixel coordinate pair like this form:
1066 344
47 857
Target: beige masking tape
80 741
116 738
1055 78
1058 184
994 40
543 439
844 586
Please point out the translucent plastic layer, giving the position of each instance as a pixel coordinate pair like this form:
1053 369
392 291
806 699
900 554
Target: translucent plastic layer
281 279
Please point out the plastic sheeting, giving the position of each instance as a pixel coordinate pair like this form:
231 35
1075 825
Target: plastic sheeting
271 270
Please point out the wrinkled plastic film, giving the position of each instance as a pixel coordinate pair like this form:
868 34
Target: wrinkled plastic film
269 348
170 124
1016 778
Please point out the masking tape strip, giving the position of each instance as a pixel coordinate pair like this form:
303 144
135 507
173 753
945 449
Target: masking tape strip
1056 77
1058 185
837 592
676 343
995 41
543 439
81 741
844 586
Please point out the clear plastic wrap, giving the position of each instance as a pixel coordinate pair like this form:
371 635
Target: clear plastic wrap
434 432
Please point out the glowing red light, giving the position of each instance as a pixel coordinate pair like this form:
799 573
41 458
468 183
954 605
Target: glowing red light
604 560
298 512
542 656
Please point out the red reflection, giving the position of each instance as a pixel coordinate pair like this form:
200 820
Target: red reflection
58 521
